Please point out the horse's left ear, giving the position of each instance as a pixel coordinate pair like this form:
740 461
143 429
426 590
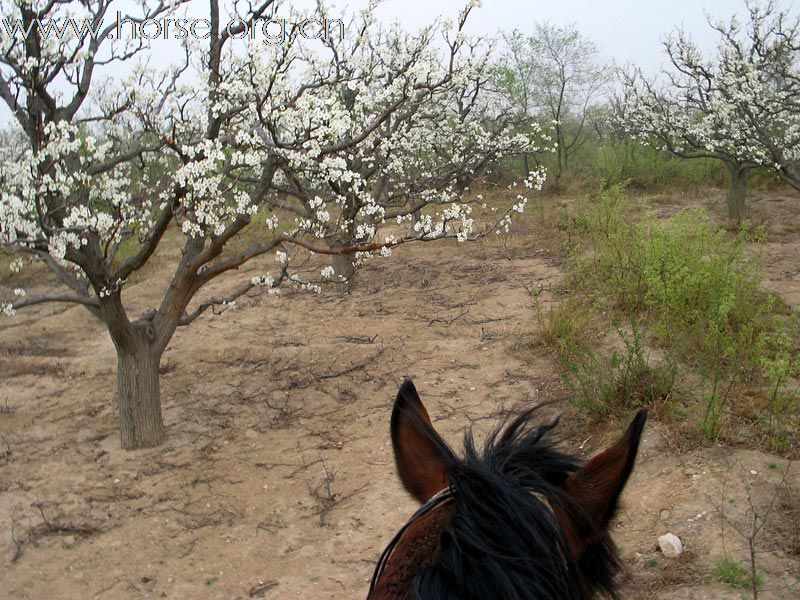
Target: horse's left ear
423 459
596 486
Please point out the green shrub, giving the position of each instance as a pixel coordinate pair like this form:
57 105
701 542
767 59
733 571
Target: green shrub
780 364
619 384
698 288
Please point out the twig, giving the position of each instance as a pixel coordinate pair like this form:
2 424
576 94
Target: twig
360 339
258 590
449 321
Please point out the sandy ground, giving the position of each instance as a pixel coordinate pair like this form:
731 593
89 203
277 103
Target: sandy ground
277 480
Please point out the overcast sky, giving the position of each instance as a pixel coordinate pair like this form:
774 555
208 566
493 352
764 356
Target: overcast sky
626 31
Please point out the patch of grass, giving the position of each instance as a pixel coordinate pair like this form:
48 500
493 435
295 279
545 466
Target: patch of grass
661 576
563 327
736 576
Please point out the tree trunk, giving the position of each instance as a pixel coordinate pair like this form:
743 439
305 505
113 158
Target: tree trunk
344 268
560 158
139 395
737 191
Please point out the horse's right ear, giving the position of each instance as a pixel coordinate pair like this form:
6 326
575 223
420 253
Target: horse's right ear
596 486
422 457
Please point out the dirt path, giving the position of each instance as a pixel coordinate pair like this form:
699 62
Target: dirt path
277 479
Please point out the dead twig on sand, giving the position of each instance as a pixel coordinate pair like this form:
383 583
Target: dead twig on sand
449 321
261 588
45 528
360 339
324 495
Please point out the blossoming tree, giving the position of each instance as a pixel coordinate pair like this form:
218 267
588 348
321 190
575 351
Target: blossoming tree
741 105
330 147
761 65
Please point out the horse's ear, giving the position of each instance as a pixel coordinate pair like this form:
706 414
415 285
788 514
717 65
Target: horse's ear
423 459
596 486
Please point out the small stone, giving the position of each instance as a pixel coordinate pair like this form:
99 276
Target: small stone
68 541
665 514
670 545
250 433
753 472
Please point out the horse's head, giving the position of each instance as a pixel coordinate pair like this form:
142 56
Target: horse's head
517 520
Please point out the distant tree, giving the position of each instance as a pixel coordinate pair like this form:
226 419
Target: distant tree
554 74
329 146
741 105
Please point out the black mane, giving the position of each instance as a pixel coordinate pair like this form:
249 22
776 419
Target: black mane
504 541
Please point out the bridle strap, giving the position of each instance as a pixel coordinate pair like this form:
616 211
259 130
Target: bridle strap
438 499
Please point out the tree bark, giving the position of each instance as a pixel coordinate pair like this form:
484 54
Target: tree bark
737 191
139 395
344 269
